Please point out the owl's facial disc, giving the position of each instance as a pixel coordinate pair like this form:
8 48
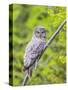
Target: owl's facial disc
40 32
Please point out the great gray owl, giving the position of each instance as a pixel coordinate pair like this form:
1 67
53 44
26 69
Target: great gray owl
34 49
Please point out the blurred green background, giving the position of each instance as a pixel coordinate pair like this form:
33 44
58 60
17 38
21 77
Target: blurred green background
52 65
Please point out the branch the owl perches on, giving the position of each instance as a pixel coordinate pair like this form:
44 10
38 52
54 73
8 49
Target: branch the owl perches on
46 46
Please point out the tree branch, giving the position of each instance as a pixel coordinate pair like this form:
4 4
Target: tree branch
46 46
54 35
25 80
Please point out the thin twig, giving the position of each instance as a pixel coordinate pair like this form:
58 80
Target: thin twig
46 46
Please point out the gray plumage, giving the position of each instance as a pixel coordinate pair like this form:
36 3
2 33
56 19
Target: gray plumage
34 49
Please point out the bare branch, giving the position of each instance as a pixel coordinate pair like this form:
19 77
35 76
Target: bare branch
25 80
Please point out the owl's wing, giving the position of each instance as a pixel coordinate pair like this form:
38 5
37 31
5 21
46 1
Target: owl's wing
29 47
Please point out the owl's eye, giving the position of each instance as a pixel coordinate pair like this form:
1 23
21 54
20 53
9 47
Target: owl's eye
42 32
37 32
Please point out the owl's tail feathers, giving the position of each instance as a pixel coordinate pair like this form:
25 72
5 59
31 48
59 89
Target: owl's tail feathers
28 71
25 68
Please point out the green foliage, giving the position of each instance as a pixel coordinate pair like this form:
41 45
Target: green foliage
52 65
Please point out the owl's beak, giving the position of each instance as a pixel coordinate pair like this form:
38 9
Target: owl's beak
40 35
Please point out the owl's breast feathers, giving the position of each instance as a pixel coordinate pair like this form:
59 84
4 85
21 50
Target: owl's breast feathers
34 48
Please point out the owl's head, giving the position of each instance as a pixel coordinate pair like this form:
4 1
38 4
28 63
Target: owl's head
40 32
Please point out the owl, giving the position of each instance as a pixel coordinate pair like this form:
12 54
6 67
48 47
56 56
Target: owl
34 49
